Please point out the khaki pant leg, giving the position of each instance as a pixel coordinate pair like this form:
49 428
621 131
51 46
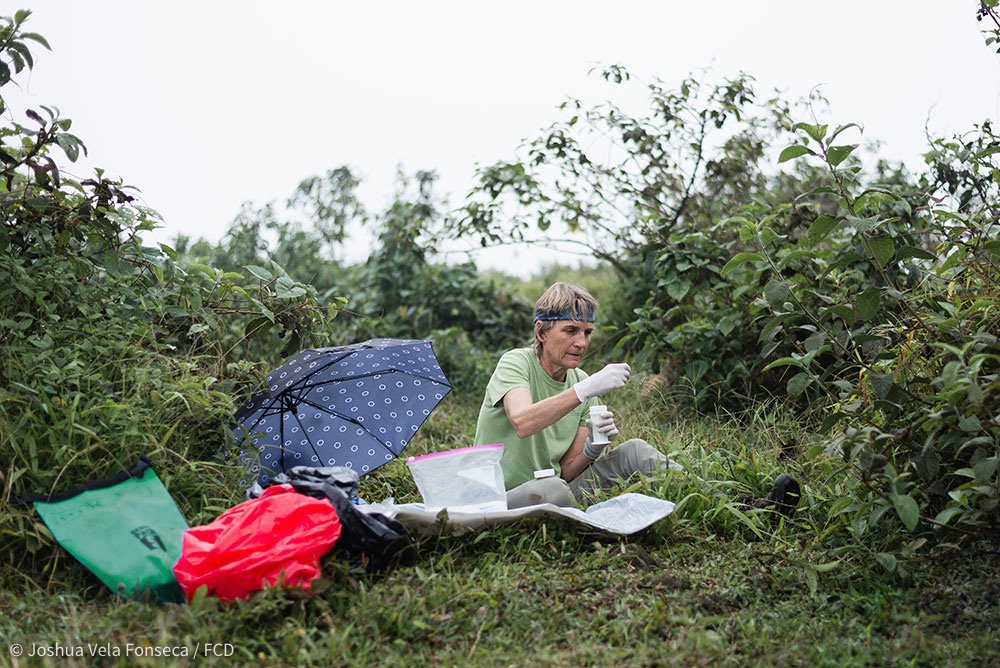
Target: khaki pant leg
620 464
553 490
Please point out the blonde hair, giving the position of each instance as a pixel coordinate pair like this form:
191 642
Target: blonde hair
562 299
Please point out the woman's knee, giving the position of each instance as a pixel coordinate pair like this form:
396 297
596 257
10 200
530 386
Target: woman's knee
553 490
644 457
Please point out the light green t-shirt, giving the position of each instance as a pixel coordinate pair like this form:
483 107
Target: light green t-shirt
523 456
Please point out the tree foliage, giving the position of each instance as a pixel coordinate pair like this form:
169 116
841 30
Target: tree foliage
894 310
110 348
645 192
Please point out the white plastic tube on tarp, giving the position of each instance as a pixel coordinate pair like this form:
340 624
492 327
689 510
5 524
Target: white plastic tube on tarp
623 515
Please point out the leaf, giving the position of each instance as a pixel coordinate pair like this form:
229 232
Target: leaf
948 513
830 421
844 260
883 248
970 423
887 561
203 268
815 341
260 272
906 252
865 225
817 132
286 288
20 50
867 303
678 290
35 37
794 151
906 508
821 190
821 228
881 383
196 329
837 154
728 324
266 312
985 468
811 580
200 595
738 259
776 293
842 311
15 58
842 128
802 361
795 255
767 235
956 256
695 370
797 384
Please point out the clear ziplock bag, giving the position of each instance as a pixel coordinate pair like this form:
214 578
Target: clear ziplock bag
463 480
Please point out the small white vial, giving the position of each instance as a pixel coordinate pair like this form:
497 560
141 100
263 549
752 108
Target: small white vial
596 437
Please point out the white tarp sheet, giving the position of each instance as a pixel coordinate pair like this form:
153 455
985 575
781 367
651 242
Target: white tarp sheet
623 515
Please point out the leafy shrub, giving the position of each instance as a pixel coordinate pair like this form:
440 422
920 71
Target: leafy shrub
398 292
891 309
109 348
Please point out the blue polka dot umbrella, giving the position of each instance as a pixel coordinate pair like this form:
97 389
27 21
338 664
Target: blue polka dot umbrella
356 406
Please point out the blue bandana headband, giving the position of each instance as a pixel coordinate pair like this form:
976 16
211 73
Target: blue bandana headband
551 316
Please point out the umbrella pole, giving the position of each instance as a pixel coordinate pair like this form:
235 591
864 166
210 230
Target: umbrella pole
281 432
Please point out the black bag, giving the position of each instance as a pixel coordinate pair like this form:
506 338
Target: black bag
369 539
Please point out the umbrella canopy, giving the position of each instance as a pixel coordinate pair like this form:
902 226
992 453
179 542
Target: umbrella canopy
356 406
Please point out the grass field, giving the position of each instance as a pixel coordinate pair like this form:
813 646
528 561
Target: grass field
711 585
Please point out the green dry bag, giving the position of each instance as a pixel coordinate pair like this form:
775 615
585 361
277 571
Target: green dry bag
126 530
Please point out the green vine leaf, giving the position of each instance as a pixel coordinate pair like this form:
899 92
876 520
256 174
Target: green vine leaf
794 151
821 228
883 248
837 154
738 259
907 509
797 384
867 303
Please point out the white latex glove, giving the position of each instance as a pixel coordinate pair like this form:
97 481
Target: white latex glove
605 424
611 377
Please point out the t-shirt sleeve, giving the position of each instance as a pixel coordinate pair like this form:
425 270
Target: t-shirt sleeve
511 372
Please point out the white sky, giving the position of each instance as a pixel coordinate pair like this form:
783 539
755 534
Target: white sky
204 105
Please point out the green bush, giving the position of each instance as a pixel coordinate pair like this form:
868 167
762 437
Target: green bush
398 291
109 348
892 311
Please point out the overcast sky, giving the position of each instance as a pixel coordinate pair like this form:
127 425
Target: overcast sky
204 105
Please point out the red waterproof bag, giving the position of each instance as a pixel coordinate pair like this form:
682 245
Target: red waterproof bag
279 536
